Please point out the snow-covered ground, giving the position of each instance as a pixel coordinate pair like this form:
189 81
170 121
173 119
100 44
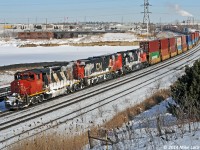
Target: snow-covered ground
166 34
131 95
14 55
97 116
110 37
84 39
10 53
142 133
116 98
6 78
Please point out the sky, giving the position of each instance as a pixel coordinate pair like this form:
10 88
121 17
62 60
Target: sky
42 11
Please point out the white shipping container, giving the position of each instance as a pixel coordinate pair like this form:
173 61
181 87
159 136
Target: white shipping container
178 41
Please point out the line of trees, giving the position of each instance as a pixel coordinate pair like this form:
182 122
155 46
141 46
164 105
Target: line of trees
186 94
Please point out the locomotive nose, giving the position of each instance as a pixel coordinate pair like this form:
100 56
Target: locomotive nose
15 87
20 87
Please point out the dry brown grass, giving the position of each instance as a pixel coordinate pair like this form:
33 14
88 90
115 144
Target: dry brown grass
44 45
108 43
129 113
53 141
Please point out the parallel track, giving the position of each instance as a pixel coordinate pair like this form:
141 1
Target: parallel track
74 100
157 65
88 95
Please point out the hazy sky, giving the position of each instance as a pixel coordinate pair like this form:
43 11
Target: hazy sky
33 11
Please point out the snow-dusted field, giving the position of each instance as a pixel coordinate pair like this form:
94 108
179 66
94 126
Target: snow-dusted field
110 37
10 53
14 55
142 132
82 39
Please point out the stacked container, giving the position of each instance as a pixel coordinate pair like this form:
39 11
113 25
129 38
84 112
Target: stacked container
189 41
172 47
152 49
196 37
193 38
164 49
184 43
179 44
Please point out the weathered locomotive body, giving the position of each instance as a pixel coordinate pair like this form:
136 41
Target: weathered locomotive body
34 86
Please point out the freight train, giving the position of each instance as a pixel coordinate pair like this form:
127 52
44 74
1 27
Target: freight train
36 85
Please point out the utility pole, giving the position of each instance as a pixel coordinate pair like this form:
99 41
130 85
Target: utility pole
146 13
28 24
46 23
4 28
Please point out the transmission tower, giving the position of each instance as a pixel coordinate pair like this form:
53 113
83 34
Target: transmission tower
146 12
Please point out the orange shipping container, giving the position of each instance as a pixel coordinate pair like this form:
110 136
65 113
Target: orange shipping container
150 46
172 43
164 47
183 39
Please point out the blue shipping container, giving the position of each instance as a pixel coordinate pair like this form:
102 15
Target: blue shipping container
193 42
188 40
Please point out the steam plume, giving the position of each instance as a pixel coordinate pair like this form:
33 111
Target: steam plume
180 11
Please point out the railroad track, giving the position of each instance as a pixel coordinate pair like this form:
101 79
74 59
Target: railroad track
5 91
143 73
27 117
5 113
87 95
36 105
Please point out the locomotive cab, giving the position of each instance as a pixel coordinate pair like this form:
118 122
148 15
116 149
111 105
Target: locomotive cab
25 86
27 83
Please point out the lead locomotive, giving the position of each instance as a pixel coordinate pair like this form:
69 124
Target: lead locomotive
36 85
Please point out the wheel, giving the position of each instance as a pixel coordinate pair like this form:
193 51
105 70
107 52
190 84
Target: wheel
76 87
82 86
72 89
33 101
40 98
94 82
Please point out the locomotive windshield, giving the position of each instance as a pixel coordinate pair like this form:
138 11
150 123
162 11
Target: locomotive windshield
24 76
